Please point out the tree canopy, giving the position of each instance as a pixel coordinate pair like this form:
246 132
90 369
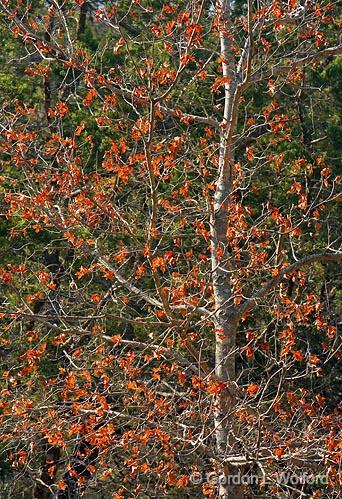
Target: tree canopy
170 242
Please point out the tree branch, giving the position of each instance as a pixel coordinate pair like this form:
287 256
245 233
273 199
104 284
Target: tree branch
250 303
286 68
192 117
143 294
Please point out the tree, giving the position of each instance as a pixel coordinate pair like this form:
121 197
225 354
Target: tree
177 219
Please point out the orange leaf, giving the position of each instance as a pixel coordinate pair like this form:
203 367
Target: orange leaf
219 82
95 298
253 389
79 129
208 490
297 354
61 485
116 339
88 99
249 153
279 451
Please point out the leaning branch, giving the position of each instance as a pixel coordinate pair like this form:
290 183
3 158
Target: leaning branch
282 69
129 286
191 117
143 295
251 302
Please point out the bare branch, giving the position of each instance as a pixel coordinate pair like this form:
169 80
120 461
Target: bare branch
271 283
304 61
192 117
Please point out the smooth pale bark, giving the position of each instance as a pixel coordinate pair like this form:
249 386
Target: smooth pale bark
227 314
225 320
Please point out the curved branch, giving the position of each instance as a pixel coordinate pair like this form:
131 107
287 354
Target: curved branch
251 302
280 69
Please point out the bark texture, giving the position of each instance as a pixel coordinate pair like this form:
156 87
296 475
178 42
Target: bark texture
225 319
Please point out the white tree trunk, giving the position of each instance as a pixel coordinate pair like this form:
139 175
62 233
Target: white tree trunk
225 320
